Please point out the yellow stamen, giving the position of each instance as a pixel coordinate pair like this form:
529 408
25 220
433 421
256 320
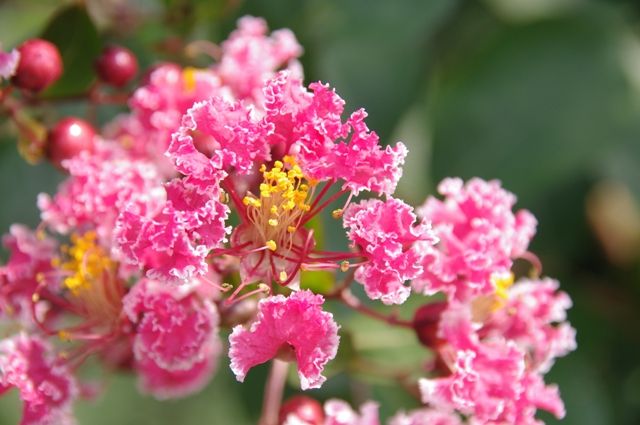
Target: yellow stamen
283 276
344 266
189 78
271 244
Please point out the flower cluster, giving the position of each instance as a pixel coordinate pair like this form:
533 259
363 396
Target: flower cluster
195 211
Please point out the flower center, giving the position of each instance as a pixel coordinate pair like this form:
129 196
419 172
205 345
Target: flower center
91 278
278 212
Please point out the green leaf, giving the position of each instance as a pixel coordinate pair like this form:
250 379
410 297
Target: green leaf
76 36
319 282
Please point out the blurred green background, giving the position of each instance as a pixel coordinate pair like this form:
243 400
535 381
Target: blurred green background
541 94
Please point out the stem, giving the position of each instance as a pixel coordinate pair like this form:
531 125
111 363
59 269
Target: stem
273 391
352 302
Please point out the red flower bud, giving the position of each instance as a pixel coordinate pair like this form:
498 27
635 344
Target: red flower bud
116 66
68 138
426 320
305 408
40 65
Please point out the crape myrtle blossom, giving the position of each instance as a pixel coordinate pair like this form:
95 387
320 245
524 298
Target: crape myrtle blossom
203 207
98 188
288 327
247 59
47 387
392 242
479 237
271 241
425 416
176 343
30 255
496 363
8 63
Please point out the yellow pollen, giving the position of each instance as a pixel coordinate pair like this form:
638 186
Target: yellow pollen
502 282
64 336
278 209
189 78
344 266
86 264
336 213
283 276
271 244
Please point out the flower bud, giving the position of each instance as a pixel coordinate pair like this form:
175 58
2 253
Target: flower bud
68 138
426 320
116 66
304 408
40 65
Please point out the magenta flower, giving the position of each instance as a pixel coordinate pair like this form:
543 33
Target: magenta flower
250 57
425 416
46 387
534 316
338 412
30 256
290 327
8 63
174 326
176 343
491 378
99 187
173 244
393 243
479 236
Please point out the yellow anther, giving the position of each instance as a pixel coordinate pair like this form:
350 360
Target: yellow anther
86 263
64 336
344 266
283 276
274 210
189 78
273 222
263 168
35 298
289 160
291 229
502 282
271 244
337 213
278 164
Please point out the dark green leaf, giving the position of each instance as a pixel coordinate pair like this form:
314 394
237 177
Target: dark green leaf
77 38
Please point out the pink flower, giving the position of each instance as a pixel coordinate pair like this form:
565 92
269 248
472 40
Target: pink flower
338 412
425 416
535 318
172 244
175 343
490 378
309 126
46 387
30 255
96 192
218 128
165 384
250 57
173 326
294 325
394 245
8 63
479 236
157 107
